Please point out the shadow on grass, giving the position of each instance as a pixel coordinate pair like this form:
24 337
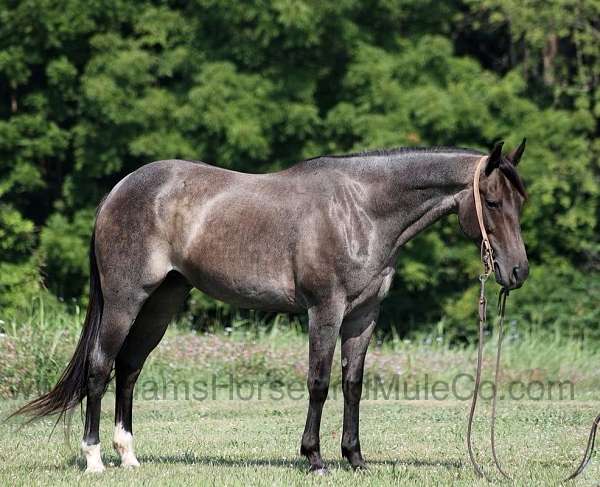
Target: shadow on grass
296 464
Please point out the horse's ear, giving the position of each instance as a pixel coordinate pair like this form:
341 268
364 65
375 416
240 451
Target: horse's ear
494 158
515 156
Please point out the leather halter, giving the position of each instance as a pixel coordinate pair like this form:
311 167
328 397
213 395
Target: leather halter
487 259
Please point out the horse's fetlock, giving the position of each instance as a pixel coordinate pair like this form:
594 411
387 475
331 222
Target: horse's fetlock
309 446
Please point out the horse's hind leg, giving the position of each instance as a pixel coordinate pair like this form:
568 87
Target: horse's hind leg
117 317
126 285
146 333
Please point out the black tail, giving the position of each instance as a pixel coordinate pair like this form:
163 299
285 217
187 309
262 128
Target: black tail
71 388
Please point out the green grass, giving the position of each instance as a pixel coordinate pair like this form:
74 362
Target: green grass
33 353
187 435
225 442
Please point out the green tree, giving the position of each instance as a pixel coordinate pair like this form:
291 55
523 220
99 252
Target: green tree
89 91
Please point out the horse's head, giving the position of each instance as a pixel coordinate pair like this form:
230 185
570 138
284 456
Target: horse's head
502 197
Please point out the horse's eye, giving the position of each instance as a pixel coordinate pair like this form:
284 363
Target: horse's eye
492 204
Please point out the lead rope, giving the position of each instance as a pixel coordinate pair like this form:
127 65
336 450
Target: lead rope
487 258
589 450
501 309
482 318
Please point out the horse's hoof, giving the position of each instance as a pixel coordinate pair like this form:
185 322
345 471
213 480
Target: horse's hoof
129 461
93 459
355 459
319 470
95 469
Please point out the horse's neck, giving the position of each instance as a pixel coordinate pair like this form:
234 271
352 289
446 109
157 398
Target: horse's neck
421 188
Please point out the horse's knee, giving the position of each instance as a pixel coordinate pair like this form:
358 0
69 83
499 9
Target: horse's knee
318 388
352 388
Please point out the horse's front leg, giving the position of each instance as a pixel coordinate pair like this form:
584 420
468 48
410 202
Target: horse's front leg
323 327
356 334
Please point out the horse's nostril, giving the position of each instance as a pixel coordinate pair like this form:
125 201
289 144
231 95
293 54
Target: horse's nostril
516 272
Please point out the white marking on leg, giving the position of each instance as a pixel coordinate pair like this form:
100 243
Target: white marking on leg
123 443
92 458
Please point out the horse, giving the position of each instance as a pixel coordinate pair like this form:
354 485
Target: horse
320 237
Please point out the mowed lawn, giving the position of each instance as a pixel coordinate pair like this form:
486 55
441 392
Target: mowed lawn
256 442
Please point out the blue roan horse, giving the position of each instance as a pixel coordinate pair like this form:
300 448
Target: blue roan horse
322 236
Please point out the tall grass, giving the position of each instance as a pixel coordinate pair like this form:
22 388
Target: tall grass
35 347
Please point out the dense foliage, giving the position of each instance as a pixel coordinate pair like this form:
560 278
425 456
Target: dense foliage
90 90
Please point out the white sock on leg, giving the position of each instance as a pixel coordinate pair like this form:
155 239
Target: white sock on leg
92 458
123 443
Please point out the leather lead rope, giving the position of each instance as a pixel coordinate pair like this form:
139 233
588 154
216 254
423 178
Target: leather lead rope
589 450
501 310
487 259
482 318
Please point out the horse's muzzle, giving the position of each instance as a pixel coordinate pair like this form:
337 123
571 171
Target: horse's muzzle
513 279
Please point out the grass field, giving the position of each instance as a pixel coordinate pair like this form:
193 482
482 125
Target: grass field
224 442
194 426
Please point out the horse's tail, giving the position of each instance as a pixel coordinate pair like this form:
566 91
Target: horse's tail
71 388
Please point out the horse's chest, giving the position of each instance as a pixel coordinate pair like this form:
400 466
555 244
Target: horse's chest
375 290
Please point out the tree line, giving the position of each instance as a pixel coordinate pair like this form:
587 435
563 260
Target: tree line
90 90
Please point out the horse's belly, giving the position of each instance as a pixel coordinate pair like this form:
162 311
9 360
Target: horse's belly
243 269
246 291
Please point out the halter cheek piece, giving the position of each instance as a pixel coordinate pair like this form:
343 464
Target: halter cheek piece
487 259
487 254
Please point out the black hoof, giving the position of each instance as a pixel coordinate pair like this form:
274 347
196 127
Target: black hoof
355 458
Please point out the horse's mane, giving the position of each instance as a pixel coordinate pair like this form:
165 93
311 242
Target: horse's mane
403 150
506 167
